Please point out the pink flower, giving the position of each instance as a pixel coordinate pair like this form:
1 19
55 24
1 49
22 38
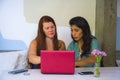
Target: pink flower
103 53
98 54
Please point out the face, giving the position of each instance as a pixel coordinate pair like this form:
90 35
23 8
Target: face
49 29
76 33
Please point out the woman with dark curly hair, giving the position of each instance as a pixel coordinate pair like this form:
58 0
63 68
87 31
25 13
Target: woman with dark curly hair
83 42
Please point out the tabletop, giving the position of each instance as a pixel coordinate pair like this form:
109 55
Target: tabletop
107 73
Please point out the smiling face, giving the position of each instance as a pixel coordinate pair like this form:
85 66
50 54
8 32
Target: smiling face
76 33
49 29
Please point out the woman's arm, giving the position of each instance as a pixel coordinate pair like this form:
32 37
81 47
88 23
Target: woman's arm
32 57
91 59
85 62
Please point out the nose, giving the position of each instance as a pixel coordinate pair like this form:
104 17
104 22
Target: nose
50 29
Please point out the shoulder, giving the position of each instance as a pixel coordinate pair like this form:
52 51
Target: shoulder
60 41
33 42
94 41
61 45
72 42
95 44
33 46
72 45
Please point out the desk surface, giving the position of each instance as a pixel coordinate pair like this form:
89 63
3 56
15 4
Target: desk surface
107 73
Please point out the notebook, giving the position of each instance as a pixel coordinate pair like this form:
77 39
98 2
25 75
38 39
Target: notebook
57 62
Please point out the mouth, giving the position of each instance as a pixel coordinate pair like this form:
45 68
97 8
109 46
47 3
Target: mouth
51 33
75 37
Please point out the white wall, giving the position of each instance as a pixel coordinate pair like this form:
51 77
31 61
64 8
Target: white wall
12 23
61 10
19 18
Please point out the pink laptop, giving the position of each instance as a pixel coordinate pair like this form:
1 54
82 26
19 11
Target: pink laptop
57 62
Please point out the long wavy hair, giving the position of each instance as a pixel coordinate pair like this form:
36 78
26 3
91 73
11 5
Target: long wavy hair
87 37
41 42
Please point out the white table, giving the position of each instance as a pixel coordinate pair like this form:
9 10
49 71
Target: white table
107 73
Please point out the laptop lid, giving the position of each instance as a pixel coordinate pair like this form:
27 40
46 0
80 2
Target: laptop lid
59 62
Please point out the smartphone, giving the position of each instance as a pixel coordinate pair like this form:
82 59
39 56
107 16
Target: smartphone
18 71
86 73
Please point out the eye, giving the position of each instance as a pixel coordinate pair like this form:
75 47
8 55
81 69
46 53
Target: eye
52 26
47 28
76 30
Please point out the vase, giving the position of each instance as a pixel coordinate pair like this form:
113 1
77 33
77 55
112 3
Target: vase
97 70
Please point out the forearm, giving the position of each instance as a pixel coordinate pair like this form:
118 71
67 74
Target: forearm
34 59
84 62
